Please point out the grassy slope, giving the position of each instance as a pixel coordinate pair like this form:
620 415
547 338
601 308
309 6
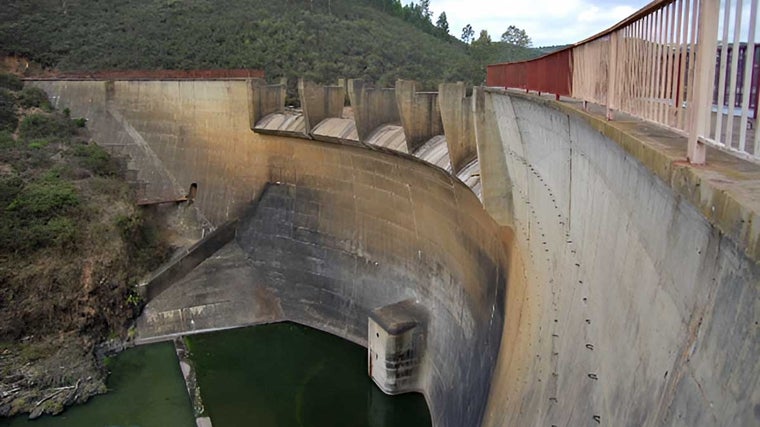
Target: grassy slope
71 244
285 38
67 220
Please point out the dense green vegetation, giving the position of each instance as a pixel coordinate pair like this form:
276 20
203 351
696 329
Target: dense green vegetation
72 245
419 15
378 40
63 204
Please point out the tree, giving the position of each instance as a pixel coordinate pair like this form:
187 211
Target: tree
425 9
443 23
468 34
516 36
483 38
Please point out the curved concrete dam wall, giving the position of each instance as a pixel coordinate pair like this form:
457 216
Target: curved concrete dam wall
638 311
632 294
347 230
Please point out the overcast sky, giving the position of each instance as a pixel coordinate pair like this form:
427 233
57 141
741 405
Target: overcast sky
547 22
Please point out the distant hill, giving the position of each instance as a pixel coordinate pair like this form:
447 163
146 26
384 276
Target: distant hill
317 39
545 50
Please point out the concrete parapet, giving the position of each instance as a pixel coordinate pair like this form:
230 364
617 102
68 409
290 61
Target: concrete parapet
320 102
420 114
457 117
373 107
266 99
496 181
154 75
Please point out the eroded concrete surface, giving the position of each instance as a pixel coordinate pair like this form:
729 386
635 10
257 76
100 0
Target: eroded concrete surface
327 259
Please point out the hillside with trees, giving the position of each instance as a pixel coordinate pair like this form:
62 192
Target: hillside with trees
72 245
377 40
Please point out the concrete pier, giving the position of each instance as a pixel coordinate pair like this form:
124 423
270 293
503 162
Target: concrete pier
372 107
420 114
457 117
319 103
265 99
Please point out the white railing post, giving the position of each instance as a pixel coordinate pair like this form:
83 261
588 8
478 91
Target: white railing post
612 95
701 101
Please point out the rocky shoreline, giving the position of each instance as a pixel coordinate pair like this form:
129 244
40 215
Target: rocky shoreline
37 383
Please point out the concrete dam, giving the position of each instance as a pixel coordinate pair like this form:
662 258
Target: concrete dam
536 263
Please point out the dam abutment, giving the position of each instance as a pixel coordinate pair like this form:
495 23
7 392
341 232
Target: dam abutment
631 286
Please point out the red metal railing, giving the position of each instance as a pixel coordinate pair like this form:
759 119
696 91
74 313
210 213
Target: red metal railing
667 64
551 74
159 75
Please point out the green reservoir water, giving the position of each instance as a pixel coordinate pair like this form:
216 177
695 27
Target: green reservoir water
272 375
290 375
145 389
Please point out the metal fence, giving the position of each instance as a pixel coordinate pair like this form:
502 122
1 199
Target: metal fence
733 118
549 74
670 63
719 97
241 73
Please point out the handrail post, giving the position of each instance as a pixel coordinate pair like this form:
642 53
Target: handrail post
612 97
701 99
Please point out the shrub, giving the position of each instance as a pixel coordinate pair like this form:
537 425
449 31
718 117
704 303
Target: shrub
38 143
114 186
9 189
96 159
144 246
37 126
130 226
34 97
23 236
8 117
45 199
6 140
10 81
59 231
41 214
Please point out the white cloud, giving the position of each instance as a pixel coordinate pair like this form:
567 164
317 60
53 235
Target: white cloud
595 15
548 22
